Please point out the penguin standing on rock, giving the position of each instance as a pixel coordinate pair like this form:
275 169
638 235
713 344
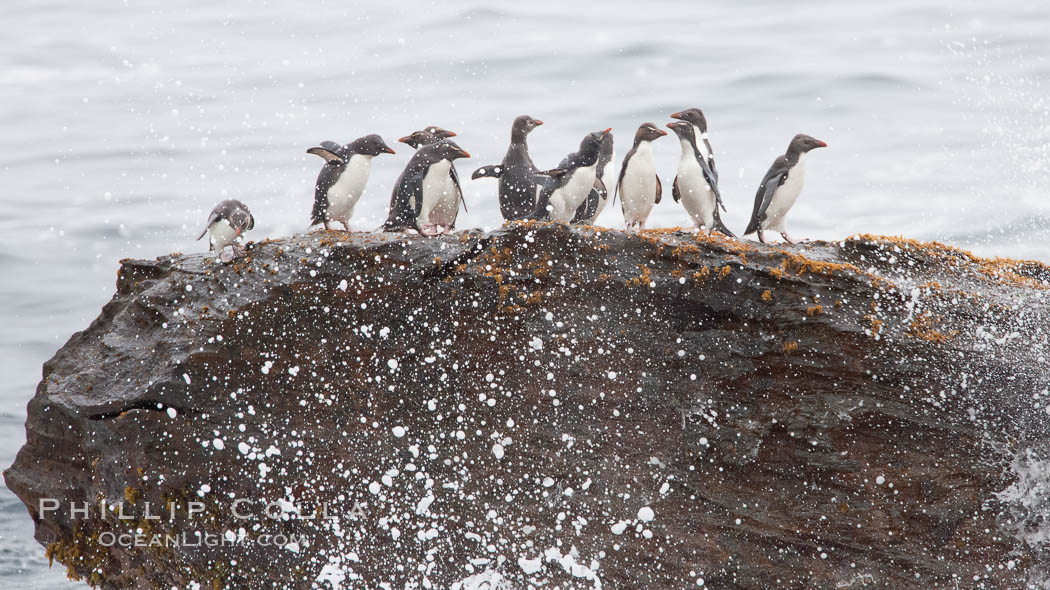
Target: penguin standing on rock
226 223
696 185
423 187
639 187
599 195
519 179
572 181
696 118
447 209
780 188
342 179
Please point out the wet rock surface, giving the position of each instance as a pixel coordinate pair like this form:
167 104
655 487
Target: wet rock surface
555 406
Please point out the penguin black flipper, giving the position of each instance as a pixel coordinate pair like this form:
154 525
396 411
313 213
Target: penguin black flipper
675 193
459 189
494 171
712 179
619 179
775 177
589 207
659 188
711 162
215 216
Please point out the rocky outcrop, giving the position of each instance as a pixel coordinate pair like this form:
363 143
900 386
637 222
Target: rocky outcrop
555 406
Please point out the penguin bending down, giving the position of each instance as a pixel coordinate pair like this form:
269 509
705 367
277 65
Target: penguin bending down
519 186
780 188
572 181
696 185
343 178
639 187
423 188
599 195
227 221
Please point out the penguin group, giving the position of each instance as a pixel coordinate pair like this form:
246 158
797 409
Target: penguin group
427 196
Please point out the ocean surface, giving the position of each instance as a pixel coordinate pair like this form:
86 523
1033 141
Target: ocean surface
123 123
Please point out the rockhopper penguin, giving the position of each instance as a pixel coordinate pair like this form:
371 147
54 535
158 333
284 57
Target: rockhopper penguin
447 209
226 223
780 187
571 182
422 187
519 186
639 187
343 178
696 186
599 195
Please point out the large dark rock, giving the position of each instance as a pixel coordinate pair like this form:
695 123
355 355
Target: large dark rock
566 407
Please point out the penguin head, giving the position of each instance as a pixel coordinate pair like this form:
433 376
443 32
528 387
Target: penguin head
803 143
692 116
419 138
591 147
522 126
369 145
683 130
447 149
236 214
438 132
648 132
526 123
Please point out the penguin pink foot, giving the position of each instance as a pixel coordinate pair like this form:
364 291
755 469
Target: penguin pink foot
231 253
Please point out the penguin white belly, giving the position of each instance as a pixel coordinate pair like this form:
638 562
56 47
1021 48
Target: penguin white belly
435 186
344 194
445 211
638 187
697 196
566 199
785 196
222 234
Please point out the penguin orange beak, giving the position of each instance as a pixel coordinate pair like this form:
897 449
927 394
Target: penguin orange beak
387 150
450 133
537 122
464 153
662 132
821 144
405 139
607 130
677 115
